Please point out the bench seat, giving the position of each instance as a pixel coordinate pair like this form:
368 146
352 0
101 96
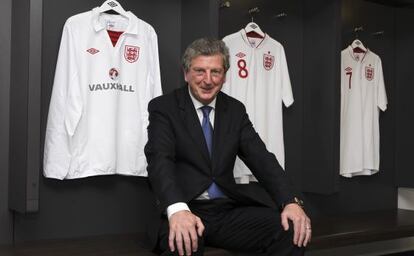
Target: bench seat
328 232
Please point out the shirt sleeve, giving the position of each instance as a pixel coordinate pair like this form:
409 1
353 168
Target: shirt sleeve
176 208
153 85
65 110
155 77
287 95
381 93
227 82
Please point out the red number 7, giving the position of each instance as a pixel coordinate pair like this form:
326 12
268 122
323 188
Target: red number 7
350 76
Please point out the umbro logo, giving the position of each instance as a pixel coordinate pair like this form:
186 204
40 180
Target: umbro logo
348 69
240 55
92 51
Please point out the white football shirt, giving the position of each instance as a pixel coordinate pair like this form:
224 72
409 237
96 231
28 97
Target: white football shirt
97 122
362 96
259 77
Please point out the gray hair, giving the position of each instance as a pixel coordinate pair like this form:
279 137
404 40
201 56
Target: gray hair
206 47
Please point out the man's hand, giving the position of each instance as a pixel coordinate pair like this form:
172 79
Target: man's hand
184 228
301 224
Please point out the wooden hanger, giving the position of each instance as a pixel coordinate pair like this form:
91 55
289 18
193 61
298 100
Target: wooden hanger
358 46
253 30
112 7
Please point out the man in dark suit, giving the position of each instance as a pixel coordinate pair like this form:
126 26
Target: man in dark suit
194 136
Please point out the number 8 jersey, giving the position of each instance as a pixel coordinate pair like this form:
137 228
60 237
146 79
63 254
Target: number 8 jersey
259 77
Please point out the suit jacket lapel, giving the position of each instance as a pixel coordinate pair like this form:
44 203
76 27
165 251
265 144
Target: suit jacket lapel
192 122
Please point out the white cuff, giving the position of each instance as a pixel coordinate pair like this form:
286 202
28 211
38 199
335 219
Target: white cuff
176 208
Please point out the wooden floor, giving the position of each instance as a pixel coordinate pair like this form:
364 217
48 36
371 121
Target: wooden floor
328 232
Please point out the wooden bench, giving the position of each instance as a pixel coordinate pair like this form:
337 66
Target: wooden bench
358 228
329 232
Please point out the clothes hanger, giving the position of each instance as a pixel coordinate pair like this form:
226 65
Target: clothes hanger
112 7
357 46
252 29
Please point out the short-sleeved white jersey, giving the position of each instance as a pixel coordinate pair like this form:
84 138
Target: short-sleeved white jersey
98 110
362 96
259 77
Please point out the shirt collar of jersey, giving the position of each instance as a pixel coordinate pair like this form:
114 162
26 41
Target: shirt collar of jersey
351 52
132 27
198 104
246 39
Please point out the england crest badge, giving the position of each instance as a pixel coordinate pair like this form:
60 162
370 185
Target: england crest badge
268 61
369 73
131 53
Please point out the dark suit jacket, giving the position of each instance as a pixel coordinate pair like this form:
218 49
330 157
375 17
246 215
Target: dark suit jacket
179 166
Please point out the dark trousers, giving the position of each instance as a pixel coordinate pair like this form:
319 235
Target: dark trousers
248 230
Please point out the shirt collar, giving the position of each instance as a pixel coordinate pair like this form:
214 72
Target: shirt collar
246 39
197 104
356 57
132 27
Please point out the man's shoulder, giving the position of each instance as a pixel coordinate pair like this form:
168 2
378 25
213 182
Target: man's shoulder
231 102
167 100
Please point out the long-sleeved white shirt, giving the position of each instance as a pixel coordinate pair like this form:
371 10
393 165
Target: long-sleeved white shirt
98 110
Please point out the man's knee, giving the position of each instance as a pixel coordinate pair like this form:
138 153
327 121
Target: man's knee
282 243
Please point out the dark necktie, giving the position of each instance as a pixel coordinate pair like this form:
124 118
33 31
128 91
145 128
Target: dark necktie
213 191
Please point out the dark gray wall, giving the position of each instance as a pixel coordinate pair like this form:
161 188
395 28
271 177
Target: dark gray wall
199 19
404 92
321 96
5 50
378 191
25 105
18 103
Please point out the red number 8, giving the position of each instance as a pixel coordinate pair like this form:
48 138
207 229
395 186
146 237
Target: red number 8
243 73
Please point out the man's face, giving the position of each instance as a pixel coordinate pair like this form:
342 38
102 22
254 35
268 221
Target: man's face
205 77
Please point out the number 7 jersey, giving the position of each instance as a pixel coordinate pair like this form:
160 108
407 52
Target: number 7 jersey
259 77
362 96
